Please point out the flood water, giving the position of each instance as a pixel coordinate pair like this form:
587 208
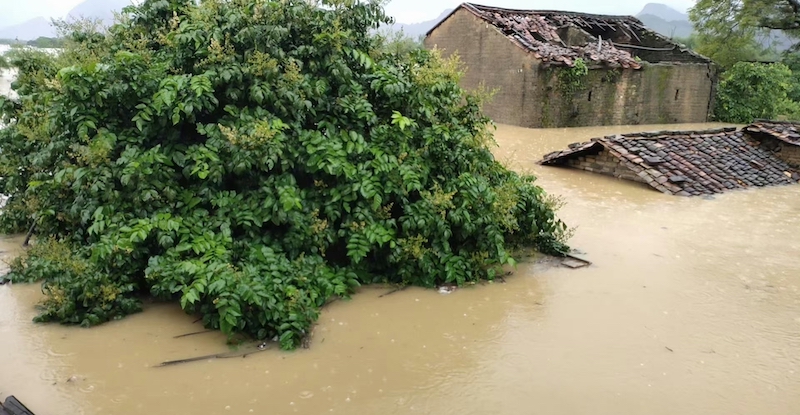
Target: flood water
691 307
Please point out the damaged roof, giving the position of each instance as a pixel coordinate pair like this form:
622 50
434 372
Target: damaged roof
786 131
689 163
546 34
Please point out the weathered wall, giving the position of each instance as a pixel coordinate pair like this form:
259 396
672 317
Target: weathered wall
529 94
789 153
604 163
655 94
609 98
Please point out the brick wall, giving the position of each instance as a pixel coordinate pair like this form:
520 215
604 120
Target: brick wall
604 163
789 153
528 92
676 93
655 94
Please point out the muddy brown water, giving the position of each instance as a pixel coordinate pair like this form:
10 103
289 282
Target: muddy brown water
691 307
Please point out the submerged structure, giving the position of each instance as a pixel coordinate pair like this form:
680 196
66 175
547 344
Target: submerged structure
782 138
693 163
559 69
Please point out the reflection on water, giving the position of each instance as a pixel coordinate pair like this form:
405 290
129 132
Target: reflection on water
691 307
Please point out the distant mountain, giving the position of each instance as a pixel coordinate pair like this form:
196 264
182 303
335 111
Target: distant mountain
98 9
30 30
415 30
41 27
664 12
665 20
668 28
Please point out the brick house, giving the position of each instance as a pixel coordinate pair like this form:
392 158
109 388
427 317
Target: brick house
635 75
688 163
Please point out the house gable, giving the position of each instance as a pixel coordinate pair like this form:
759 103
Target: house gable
489 59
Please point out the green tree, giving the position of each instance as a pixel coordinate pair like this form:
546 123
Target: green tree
792 60
252 159
398 42
46 42
749 91
728 31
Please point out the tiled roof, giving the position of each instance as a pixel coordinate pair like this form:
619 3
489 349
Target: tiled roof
537 31
788 132
689 163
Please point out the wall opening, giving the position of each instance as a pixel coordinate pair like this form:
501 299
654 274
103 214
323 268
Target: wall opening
677 93
590 95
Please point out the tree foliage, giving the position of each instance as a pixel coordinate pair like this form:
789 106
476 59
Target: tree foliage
397 42
251 159
46 42
731 31
752 90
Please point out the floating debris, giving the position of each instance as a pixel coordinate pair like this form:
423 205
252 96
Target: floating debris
571 261
447 289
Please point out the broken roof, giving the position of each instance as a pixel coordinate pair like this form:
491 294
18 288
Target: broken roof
600 39
689 163
786 131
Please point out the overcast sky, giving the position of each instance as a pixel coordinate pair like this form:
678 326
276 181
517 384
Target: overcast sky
405 11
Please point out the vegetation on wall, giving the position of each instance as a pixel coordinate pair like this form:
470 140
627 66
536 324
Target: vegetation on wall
572 80
251 160
612 75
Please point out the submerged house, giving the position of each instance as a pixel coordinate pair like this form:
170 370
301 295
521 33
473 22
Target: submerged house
779 137
692 163
534 60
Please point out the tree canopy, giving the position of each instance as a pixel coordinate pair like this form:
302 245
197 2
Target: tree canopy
251 160
730 31
753 90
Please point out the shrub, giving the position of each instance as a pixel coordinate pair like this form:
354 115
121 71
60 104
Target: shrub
251 159
753 90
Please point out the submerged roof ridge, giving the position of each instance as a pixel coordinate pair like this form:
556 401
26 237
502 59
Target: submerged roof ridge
685 163
669 133
768 121
786 131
